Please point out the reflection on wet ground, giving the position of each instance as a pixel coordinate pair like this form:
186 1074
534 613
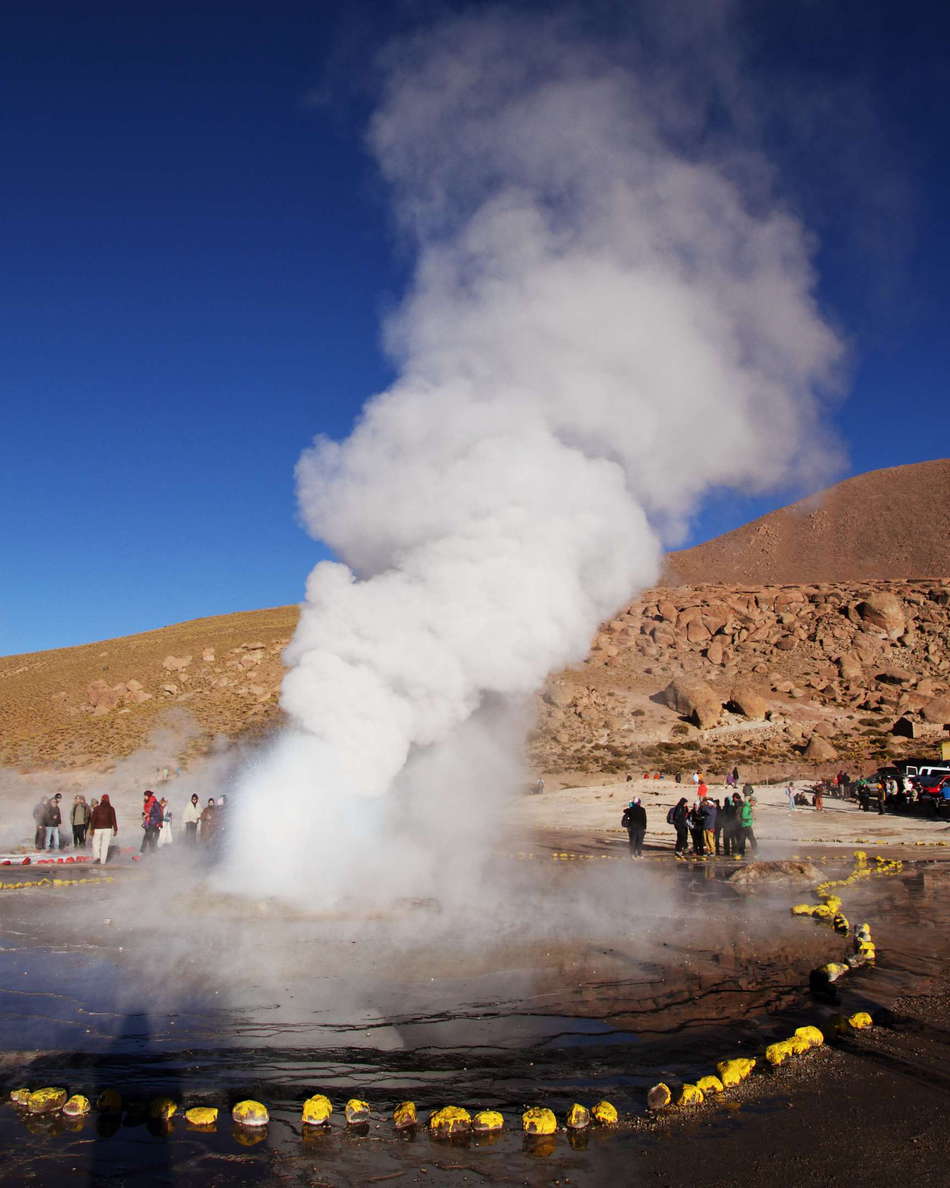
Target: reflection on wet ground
658 984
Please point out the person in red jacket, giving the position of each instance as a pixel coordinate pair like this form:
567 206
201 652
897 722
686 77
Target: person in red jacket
152 818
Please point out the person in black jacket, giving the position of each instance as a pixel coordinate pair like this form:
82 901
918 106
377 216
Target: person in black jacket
678 819
635 822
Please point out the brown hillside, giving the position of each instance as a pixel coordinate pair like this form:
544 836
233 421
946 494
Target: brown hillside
885 524
80 706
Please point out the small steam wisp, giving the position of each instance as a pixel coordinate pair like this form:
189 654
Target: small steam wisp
600 329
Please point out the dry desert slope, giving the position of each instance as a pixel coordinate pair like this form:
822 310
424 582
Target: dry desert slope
820 633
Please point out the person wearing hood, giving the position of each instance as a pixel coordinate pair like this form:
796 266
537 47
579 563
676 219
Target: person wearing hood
151 821
710 814
634 820
677 817
191 818
104 828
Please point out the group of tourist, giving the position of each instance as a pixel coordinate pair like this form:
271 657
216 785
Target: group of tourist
95 824
710 826
725 827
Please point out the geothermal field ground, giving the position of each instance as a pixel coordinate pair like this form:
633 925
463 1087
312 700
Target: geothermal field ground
580 975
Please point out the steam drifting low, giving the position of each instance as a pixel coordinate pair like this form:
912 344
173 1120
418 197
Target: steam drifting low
601 327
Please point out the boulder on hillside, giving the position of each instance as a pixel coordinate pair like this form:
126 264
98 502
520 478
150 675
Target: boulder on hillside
850 667
819 751
748 702
692 698
885 612
176 663
937 710
894 676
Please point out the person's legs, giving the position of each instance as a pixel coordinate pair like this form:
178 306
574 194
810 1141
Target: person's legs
631 842
709 838
750 838
191 832
681 839
638 834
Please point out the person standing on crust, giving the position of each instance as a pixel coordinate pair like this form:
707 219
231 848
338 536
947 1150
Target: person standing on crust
80 820
39 819
52 821
151 821
635 822
678 818
747 821
191 818
104 828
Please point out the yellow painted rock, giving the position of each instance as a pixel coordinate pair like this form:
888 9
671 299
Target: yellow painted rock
811 1034
488 1121
404 1115
860 1020
833 903
163 1108
109 1101
604 1114
21 1097
841 925
803 909
659 1097
822 911
538 1120
690 1095
77 1106
833 970
45 1101
202 1115
450 1120
709 1084
797 1046
250 1113
778 1053
356 1112
316 1110
578 1117
734 1072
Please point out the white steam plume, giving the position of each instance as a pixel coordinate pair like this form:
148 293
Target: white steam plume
600 328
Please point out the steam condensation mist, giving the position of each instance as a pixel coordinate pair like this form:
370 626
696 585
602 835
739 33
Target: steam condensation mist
601 327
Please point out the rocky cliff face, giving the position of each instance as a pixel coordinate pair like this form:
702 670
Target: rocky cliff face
844 671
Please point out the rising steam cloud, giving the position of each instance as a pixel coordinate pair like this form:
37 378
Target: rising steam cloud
601 327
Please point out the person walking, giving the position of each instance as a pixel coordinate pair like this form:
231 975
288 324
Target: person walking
151 821
79 818
819 799
677 817
165 831
710 815
747 821
735 777
702 790
191 818
790 795
635 822
105 827
52 820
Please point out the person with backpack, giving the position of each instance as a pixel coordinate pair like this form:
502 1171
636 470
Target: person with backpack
677 817
634 820
152 817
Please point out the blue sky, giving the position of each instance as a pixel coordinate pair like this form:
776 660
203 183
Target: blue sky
197 254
